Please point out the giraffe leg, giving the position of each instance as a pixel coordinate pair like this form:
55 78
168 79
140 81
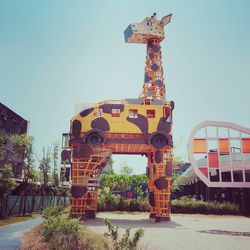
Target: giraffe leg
151 185
162 183
84 175
91 203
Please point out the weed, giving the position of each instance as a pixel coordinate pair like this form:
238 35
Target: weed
127 242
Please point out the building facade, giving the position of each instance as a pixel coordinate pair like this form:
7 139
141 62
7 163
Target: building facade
219 153
11 123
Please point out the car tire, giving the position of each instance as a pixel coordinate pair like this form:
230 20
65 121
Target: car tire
159 141
94 139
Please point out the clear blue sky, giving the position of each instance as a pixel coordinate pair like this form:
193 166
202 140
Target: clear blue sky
54 54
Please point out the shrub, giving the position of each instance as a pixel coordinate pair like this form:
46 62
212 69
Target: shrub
61 232
191 206
140 205
87 240
126 242
108 201
111 202
54 211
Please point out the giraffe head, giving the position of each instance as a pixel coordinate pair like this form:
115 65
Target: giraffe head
149 28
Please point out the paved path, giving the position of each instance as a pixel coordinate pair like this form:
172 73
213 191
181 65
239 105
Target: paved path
10 236
191 232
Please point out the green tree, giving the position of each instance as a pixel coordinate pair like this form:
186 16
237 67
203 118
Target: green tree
177 180
108 180
3 141
45 166
109 167
37 175
137 181
7 183
123 182
55 178
45 170
23 148
125 169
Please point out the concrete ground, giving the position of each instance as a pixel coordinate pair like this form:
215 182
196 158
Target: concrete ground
10 236
203 232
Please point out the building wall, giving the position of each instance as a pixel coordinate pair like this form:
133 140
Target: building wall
199 190
11 123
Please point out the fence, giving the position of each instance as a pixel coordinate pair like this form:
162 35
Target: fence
17 205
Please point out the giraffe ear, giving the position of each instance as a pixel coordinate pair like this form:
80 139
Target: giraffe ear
165 20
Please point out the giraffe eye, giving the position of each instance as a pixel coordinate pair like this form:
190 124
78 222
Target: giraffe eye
149 23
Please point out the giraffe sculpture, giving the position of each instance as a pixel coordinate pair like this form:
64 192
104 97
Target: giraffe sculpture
140 126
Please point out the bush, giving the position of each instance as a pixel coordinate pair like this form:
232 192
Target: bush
191 206
61 232
126 242
140 205
108 201
87 240
111 202
54 211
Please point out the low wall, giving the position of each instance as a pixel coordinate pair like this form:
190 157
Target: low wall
17 205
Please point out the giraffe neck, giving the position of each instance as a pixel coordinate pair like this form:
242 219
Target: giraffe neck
153 87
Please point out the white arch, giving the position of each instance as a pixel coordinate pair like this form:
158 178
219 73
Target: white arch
245 163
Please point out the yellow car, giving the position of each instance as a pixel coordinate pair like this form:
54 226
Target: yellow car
127 126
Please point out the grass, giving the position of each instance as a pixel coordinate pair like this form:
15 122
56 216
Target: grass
17 219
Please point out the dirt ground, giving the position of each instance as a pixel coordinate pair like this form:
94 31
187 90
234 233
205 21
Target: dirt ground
203 232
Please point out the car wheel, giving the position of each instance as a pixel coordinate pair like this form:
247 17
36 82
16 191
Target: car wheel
159 141
94 139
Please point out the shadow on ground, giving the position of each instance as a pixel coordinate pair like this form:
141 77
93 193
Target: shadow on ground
145 223
225 232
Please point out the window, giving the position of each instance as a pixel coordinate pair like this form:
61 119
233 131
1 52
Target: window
98 112
133 113
115 112
150 113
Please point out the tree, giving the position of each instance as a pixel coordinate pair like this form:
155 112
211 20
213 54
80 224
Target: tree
45 170
125 169
178 180
7 183
23 148
55 178
138 182
3 141
108 169
108 180
37 176
45 166
123 182
111 162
